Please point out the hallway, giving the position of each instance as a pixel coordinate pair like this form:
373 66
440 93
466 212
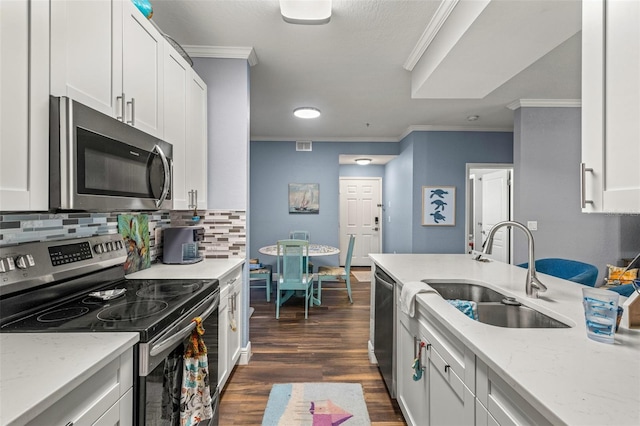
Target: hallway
331 345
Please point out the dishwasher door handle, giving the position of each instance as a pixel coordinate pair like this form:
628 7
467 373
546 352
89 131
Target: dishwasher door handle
386 284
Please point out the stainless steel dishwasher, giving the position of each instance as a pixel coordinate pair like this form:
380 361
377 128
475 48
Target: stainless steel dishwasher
384 329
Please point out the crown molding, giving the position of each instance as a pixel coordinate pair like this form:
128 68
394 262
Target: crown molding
407 132
223 52
545 103
438 20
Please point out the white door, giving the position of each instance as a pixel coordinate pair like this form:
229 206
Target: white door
361 215
495 208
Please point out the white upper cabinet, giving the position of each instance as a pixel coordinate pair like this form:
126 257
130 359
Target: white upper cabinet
185 127
176 77
108 56
611 106
196 153
24 105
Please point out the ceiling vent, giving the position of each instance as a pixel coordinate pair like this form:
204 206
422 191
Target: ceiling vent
303 145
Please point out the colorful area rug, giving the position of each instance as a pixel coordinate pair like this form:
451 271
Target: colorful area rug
316 404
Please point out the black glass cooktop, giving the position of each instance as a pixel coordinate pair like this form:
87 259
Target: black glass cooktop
144 306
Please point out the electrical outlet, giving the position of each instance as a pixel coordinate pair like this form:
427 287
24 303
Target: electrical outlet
532 225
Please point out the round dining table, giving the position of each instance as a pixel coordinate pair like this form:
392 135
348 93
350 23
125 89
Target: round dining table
314 250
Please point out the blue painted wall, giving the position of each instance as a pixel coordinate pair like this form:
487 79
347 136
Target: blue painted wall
397 187
428 159
423 158
276 164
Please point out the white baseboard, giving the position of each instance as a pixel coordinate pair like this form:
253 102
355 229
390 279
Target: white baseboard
245 355
372 356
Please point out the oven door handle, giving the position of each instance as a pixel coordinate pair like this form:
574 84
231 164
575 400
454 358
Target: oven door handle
182 334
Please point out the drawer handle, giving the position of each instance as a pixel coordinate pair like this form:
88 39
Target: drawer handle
446 368
428 346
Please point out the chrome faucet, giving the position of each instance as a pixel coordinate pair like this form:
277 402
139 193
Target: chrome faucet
533 285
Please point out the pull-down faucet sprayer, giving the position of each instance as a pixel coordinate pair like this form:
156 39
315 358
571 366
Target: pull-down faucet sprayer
533 285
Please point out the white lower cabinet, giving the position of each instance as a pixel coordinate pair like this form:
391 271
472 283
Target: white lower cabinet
105 398
229 324
452 386
502 403
411 379
444 374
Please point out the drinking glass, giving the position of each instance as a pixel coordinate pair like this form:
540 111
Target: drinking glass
600 312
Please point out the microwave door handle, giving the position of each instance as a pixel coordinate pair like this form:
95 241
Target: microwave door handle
167 176
182 334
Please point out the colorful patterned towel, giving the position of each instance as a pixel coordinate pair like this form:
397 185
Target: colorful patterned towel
316 404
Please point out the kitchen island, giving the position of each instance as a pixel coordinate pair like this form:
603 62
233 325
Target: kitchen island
560 373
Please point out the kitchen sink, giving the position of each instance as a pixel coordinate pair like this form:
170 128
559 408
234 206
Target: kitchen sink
495 308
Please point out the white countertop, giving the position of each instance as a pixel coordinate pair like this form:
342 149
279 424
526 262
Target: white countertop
563 374
38 369
207 269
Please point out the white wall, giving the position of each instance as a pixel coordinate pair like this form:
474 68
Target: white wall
228 150
547 152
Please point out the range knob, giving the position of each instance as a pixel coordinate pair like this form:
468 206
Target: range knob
99 248
21 262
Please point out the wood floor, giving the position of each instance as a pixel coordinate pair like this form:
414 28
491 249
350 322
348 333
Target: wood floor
330 346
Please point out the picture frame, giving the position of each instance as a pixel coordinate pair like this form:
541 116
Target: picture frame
304 198
438 205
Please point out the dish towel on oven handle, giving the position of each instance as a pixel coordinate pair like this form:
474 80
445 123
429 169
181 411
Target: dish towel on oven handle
195 399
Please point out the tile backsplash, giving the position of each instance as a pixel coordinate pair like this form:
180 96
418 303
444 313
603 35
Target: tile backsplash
225 230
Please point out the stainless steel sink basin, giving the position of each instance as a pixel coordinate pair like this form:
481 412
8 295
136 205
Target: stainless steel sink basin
518 316
466 291
495 308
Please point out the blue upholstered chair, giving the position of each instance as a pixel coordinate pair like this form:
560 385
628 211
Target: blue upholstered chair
572 270
624 289
331 273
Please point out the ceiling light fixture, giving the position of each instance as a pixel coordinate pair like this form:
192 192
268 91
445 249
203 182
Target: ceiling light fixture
363 161
306 12
306 112
473 118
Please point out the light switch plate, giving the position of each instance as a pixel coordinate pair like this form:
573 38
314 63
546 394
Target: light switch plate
532 225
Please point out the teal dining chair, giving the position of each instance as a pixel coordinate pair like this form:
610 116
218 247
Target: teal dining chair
301 235
292 274
332 273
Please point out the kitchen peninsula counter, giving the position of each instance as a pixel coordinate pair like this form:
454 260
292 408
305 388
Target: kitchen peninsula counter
564 375
39 369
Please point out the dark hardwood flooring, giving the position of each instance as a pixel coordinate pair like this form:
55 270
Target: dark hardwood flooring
330 346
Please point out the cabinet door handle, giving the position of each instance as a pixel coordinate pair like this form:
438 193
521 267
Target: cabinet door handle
583 188
120 100
446 368
133 112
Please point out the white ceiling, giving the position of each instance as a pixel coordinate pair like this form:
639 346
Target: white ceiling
457 57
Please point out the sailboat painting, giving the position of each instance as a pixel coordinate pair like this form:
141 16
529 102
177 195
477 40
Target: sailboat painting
304 198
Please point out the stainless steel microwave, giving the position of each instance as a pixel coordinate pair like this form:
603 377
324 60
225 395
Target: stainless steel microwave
98 163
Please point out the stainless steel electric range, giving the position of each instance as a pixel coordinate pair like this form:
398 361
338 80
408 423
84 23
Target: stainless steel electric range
79 286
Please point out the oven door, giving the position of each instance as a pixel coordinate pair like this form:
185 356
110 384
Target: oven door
159 379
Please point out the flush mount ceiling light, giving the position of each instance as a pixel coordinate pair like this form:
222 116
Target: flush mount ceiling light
473 118
363 161
306 112
306 12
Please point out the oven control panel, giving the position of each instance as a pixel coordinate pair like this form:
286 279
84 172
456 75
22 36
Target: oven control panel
26 265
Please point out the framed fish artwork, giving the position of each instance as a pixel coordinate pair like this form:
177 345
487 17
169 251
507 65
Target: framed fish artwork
438 205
